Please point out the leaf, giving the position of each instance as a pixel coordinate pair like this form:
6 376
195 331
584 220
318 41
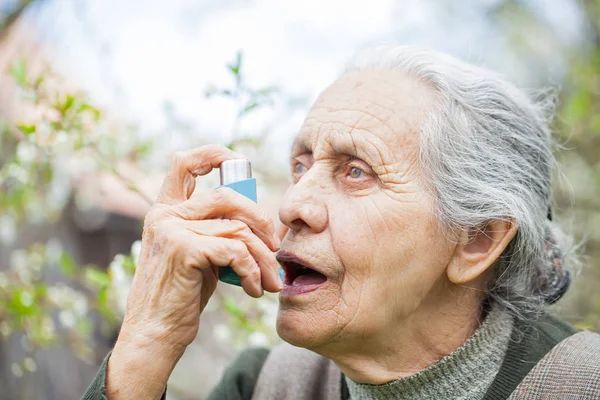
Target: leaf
267 91
84 326
249 107
22 303
129 265
96 113
579 105
19 71
68 103
27 129
232 308
237 66
67 264
96 278
39 81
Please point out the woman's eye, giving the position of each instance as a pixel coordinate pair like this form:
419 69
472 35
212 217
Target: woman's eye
356 172
299 168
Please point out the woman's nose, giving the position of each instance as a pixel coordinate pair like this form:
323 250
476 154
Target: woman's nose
303 206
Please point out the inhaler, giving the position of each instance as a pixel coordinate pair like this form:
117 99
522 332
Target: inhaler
237 175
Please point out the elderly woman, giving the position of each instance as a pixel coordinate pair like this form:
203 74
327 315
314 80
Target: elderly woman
418 257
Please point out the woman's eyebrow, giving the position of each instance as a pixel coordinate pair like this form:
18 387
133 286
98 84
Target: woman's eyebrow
300 146
350 147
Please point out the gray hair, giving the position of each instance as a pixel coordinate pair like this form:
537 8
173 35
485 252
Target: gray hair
486 150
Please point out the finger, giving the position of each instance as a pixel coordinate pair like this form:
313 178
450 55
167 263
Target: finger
281 229
234 229
179 183
224 252
228 204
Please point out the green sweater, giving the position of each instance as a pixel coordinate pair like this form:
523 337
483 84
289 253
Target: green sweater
529 343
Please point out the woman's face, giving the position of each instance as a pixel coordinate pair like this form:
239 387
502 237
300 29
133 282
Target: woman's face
359 214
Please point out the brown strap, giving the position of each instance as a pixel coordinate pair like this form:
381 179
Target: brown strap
295 373
571 370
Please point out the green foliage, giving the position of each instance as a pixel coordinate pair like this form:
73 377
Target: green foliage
65 137
247 99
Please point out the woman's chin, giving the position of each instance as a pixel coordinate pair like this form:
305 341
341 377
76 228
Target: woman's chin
295 328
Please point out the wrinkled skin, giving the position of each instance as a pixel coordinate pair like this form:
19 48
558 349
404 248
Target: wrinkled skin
185 239
373 233
401 292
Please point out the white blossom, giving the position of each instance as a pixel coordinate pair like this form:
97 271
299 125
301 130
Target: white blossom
66 318
18 172
54 250
34 209
61 295
62 142
19 259
258 339
16 370
48 328
29 364
26 152
26 299
80 305
222 332
5 329
136 247
8 230
3 281
117 271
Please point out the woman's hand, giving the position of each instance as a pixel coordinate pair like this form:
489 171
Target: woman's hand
186 239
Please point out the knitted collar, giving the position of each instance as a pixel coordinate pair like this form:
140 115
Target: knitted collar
466 373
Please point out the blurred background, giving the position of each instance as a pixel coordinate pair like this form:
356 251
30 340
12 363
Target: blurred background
96 95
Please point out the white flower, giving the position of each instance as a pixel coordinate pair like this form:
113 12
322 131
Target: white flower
26 152
54 250
59 189
66 318
222 332
117 272
62 142
269 310
3 280
54 295
18 172
8 230
35 210
61 295
5 329
80 305
16 370
26 299
136 247
122 292
29 364
48 328
19 259
258 339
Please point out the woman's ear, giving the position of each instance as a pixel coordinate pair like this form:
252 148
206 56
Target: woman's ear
479 249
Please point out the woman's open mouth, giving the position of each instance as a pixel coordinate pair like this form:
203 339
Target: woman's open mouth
300 276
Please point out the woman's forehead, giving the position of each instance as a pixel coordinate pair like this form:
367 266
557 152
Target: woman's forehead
378 109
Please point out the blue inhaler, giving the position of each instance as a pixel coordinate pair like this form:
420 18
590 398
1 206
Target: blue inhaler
237 175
